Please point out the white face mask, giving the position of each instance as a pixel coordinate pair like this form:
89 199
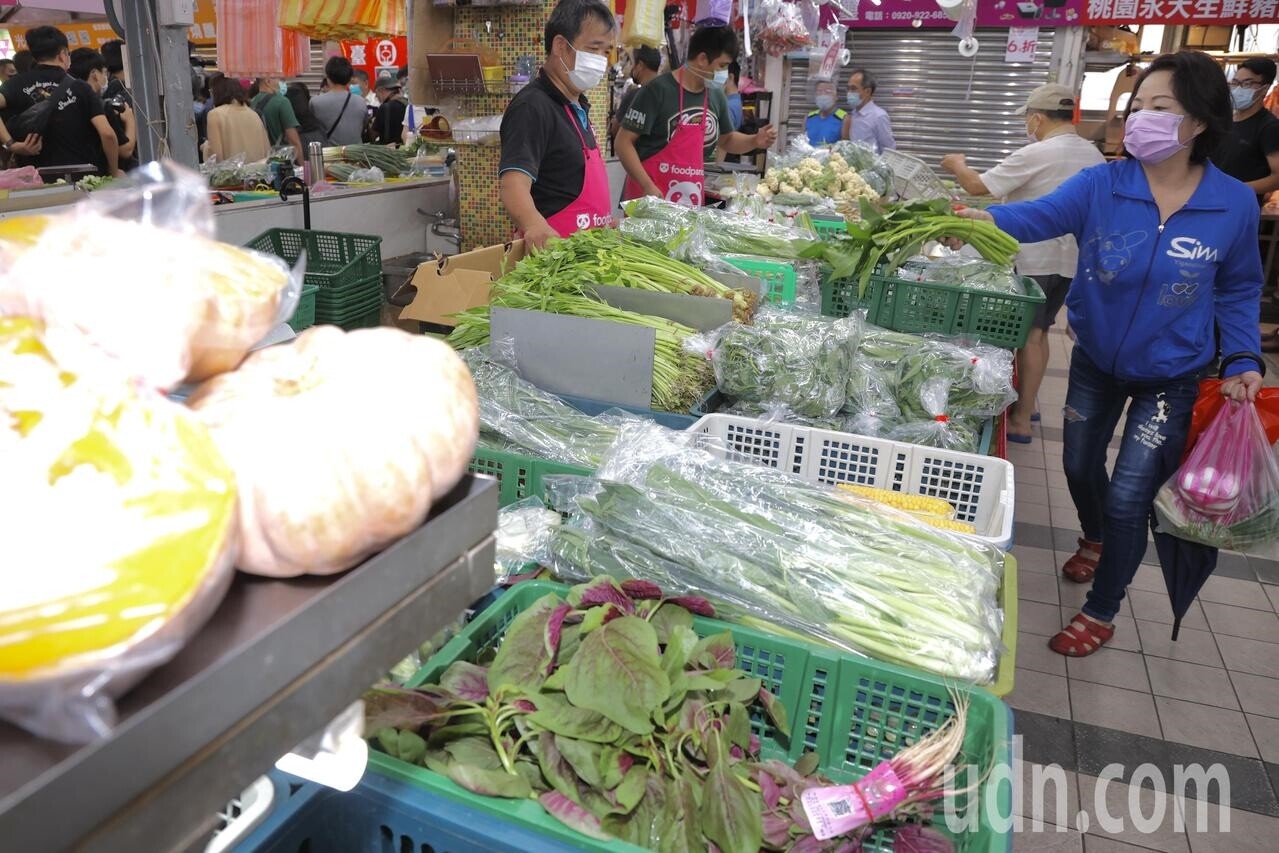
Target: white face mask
1242 98
588 69
824 102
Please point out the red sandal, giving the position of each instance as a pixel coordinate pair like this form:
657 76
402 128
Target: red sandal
1080 568
1083 636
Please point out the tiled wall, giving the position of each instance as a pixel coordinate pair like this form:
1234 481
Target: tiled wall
517 31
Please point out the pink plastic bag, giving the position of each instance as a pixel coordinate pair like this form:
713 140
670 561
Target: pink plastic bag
1226 492
20 179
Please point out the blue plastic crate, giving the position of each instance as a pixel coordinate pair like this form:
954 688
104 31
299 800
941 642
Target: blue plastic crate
379 814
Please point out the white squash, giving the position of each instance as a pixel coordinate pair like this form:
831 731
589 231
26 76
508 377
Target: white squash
340 443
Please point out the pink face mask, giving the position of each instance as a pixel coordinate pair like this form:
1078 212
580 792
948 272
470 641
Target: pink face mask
1152 136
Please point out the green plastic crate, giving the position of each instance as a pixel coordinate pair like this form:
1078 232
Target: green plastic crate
333 259
304 315
779 276
852 711
518 475
357 305
828 228
999 319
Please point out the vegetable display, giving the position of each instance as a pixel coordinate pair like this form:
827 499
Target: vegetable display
334 462
523 416
119 520
978 379
710 230
776 552
558 280
890 236
789 359
394 162
971 273
610 711
832 178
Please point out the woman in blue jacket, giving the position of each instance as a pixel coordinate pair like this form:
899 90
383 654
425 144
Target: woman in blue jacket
1167 253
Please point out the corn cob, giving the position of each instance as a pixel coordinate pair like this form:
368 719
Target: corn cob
922 505
947 524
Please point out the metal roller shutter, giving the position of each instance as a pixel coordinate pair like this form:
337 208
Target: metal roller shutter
939 101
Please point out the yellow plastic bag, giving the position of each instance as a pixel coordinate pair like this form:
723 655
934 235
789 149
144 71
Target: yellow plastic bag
644 23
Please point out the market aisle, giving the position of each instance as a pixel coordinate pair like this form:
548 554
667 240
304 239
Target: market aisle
1210 698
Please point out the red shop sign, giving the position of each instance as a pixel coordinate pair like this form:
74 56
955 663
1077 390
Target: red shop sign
375 55
1181 11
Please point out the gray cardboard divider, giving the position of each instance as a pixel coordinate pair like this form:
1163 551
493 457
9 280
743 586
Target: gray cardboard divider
596 359
699 312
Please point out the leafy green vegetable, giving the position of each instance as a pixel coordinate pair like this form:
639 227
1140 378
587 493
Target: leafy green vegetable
684 773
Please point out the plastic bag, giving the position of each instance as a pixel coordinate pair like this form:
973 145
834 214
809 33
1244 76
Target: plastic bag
118 516
1226 493
979 378
769 548
524 531
713 13
784 30
371 175
224 174
1210 401
960 270
142 278
644 23
785 358
529 420
26 177
942 428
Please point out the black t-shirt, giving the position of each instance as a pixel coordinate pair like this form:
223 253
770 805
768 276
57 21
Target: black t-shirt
1243 154
388 123
28 87
540 139
71 137
115 89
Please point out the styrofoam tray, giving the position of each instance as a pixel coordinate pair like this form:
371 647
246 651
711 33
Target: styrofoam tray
979 487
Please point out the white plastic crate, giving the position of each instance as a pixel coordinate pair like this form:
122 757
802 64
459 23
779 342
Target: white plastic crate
979 487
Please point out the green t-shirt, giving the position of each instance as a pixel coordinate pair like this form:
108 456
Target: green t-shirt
652 114
277 114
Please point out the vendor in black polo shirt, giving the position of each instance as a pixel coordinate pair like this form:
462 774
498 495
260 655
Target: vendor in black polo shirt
552 175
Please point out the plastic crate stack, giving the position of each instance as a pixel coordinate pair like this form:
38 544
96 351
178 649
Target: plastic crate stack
347 269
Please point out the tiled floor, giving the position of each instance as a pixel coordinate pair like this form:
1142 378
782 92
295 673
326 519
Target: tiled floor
1210 698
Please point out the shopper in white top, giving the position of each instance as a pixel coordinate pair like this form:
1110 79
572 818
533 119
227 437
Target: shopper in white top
1056 152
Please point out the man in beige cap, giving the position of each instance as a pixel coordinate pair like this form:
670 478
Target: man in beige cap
1056 152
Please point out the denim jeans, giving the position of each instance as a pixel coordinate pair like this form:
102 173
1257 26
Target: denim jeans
1116 509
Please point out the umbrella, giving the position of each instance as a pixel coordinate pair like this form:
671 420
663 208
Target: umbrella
1186 567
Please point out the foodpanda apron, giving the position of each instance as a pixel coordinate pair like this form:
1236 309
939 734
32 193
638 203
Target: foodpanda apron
677 168
591 208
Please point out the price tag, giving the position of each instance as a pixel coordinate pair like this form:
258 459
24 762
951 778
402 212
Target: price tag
1022 42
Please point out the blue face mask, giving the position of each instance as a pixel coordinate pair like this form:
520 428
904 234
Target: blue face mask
854 99
720 78
354 89
282 89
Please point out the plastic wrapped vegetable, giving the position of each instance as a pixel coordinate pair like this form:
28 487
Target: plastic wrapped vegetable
979 378
941 428
1226 493
524 531
960 270
781 554
534 421
118 515
140 276
796 360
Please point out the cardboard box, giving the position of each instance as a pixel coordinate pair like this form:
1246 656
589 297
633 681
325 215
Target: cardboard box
459 282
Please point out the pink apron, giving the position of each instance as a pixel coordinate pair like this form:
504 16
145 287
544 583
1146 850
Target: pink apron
592 207
677 169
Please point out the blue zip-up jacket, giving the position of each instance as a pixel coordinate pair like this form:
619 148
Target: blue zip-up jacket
1146 295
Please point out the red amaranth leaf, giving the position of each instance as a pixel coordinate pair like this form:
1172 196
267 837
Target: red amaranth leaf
554 629
641 590
769 790
572 815
694 604
603 590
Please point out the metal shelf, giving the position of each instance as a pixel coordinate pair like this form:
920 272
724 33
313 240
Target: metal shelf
279 659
